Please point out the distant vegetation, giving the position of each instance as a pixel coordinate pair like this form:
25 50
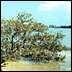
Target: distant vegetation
52 26
63 26
23 36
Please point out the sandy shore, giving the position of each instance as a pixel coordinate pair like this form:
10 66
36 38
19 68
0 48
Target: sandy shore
18 66
13 66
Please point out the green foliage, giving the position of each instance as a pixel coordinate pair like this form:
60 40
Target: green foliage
26 37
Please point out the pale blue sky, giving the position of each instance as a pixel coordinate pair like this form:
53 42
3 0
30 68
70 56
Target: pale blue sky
47 12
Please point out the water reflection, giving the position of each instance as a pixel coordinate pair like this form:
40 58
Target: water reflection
50 66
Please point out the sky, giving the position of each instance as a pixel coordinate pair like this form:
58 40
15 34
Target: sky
48 12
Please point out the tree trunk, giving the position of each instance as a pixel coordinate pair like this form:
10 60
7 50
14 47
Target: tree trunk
24 40
12 41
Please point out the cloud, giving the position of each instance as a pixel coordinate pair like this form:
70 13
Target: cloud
55 12
49 5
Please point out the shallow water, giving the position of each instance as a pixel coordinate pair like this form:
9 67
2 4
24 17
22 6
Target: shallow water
52 66
26 65
67 64
65 31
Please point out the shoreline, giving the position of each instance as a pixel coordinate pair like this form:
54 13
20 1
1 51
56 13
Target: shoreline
18 66
50 66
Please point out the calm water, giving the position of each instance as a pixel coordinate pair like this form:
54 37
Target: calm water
50 66
65 31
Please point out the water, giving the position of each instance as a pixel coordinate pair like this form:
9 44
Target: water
66 41
67 64
50 66
65 31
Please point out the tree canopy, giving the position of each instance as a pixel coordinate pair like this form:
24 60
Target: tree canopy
24 36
